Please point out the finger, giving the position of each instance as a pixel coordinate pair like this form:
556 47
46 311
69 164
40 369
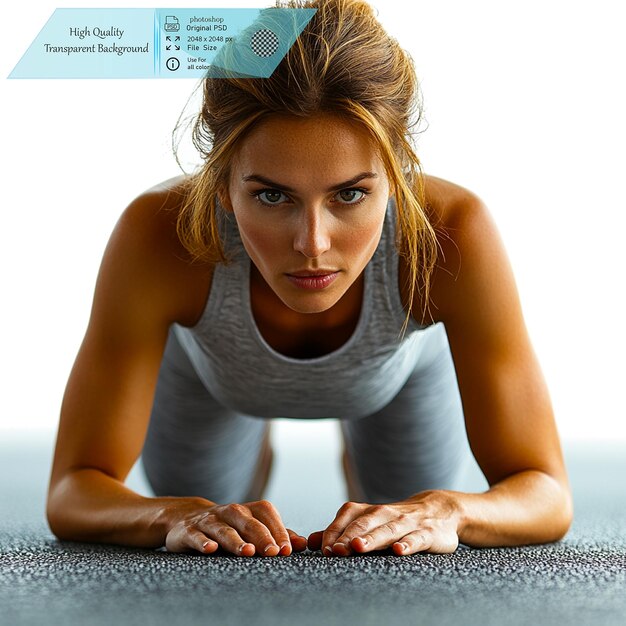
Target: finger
190 539
374 529
411 543
242 533
345 516
377 530
427 541
227 538
285 539
314 541
298 543
207 545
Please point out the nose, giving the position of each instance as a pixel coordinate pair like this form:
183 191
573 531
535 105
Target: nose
312 236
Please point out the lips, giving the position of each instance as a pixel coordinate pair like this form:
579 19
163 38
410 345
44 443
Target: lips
311 273
313 280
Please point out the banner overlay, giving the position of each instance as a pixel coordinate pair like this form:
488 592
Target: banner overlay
162 43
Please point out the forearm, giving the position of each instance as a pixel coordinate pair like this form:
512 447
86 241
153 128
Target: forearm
526 508
88 505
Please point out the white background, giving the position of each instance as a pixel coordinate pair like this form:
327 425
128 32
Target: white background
525 106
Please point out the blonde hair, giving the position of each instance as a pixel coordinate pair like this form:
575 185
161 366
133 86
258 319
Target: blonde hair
343 63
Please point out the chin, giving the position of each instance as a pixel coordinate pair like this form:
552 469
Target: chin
310 303
309 307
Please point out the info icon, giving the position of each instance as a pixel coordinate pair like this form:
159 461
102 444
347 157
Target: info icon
172 64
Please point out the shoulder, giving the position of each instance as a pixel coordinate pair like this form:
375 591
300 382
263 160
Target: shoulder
451 206
444 197
145 240
472 260
158 206
463 226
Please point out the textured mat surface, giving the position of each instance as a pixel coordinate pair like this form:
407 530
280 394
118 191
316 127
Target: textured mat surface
580 580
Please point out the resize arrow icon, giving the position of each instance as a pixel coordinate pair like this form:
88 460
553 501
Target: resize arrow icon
168 47
177 38
176 47
167 38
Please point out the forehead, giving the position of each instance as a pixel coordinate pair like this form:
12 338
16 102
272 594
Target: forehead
321 142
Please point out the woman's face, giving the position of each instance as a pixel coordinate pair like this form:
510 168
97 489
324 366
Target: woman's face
309 196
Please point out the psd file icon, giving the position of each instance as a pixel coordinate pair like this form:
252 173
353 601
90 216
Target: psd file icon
171 24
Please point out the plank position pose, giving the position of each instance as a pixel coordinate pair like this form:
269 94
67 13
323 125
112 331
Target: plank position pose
309 269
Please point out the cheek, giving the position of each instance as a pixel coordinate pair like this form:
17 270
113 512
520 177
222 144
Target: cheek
260 237
365 235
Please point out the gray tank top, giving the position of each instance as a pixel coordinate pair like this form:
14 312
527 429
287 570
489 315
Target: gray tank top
244 373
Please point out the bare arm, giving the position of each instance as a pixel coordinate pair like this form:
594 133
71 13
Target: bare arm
508 415
508 412
107 402
144 285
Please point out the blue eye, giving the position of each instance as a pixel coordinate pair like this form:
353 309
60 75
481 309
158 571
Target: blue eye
272 195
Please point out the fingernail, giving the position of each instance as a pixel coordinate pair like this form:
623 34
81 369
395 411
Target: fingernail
341 545
269 548
328 550
363 541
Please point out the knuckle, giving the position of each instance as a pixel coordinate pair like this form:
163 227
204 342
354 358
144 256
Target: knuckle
334 528
207 516
266 505
236 508
249 525
347 506
378 509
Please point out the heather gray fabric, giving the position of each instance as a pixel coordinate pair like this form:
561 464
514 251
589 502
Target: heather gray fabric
246 375
220 383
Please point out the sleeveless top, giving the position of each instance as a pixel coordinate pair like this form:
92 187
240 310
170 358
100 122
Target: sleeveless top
244 373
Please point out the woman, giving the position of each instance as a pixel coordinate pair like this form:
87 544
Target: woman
308 270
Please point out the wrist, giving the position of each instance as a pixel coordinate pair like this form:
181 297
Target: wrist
446 504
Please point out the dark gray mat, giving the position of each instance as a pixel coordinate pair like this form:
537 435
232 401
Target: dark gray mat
580 580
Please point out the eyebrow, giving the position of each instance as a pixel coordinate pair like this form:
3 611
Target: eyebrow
347 183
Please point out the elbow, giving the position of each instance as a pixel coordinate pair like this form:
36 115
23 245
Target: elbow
568 515
564 512
55 528
62 524
54 521
55 508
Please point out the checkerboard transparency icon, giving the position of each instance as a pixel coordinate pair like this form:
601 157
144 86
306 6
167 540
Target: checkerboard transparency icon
264 43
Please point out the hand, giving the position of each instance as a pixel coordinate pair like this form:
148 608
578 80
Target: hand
425 522
243 529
